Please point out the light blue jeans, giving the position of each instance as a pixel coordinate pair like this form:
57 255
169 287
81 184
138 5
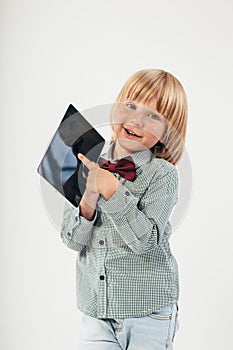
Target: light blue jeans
153 332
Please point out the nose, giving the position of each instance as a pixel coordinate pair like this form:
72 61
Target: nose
137 118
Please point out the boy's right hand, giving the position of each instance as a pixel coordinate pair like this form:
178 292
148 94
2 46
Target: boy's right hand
92 173
99 180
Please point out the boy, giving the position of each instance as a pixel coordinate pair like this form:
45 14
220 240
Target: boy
127 277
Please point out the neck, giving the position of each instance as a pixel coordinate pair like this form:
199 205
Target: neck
119 152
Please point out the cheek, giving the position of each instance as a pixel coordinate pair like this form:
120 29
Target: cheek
157 132
153 136
117 121
119 117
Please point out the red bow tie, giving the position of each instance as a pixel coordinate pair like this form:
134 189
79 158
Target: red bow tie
124 167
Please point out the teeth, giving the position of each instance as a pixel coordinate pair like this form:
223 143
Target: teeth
131 132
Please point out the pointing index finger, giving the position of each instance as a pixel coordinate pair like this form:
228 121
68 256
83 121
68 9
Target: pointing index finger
87 162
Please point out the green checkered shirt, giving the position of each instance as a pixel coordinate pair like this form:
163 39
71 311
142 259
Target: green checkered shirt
124 265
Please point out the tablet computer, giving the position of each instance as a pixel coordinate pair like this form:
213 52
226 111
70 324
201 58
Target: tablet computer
60 165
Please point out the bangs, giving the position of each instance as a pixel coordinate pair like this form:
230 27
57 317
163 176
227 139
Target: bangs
156 90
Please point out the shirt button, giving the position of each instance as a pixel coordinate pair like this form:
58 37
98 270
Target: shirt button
101 277
127 193
101 242
68 234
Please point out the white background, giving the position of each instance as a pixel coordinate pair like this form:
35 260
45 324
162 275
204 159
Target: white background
58 52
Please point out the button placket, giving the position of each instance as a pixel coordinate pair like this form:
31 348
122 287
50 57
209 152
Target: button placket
102 302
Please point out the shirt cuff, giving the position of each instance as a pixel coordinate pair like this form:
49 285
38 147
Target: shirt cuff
80 229
120 202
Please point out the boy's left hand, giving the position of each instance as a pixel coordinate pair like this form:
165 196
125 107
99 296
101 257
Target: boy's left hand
99 180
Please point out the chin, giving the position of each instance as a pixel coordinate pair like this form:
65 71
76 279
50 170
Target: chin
131 145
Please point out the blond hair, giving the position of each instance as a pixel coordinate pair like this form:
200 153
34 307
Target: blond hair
161 91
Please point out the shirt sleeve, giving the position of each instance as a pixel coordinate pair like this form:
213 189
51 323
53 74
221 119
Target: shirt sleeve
141 222
75 230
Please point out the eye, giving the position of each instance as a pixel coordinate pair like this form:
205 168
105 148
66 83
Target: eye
131 105
154 116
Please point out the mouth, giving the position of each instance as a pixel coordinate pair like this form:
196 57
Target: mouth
130 132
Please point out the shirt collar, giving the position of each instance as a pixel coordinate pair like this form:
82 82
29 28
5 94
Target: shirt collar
139 157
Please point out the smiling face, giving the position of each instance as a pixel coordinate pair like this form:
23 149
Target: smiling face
136 128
